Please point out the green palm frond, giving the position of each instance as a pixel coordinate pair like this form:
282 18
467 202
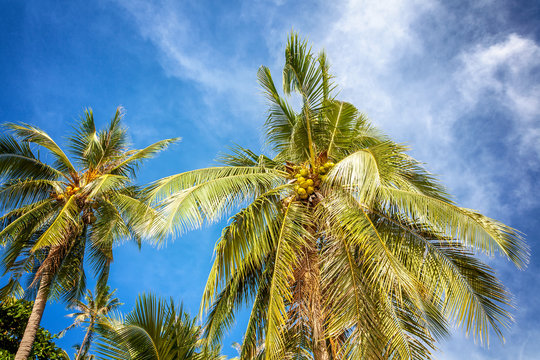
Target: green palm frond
17 193
196 196
292 237
26 220
302 73
155 329
281 118
469 226
242 157
84 143
17 161
37 136
337 127
61 227
127 165
245 242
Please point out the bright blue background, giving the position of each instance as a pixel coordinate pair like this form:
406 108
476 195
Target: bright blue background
455 81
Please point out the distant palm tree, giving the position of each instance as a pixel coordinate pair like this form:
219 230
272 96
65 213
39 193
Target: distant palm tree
155 329
54 212
90 312
347 248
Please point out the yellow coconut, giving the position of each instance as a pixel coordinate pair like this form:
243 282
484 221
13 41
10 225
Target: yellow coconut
304 196
310 190
301 179
301 191
304 172
309 182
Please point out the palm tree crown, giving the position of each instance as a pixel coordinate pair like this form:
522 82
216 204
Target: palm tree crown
155 329
55 213
91 311
346 247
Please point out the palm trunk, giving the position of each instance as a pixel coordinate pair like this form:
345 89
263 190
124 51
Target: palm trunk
25 347
85 340
320 351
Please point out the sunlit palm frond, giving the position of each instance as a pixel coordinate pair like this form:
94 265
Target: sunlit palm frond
468 226
292 237
242 157
62 226
17 161
17 193
281 117
84 143
155 329
129 163
199 197
37 136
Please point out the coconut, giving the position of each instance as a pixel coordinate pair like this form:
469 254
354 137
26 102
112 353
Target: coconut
301 191
310 190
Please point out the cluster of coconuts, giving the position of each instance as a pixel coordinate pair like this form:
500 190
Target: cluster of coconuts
308 178
70 190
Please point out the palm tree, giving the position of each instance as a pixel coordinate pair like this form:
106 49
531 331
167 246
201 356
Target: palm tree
91 312
54 212
346 247
155 329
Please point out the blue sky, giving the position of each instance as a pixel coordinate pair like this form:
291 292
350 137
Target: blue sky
456 80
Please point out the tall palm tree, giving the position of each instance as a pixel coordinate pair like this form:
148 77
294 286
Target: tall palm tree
90 312
346 247
58 212
155 329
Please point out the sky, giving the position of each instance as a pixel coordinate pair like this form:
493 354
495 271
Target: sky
457 81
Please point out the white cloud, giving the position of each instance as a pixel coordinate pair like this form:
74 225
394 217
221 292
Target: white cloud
506 70
184 52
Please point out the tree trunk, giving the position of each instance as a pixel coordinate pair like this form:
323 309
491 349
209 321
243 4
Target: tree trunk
25 347
320 351
85 340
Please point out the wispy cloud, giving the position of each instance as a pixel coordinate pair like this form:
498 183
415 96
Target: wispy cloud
181 39
506 71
